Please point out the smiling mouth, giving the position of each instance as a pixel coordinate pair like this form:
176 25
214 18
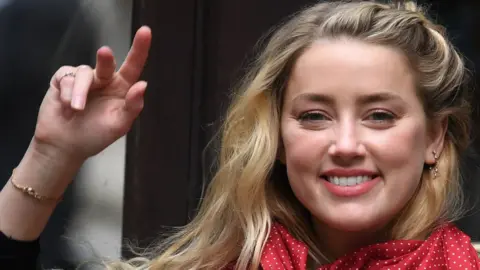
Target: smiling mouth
348 180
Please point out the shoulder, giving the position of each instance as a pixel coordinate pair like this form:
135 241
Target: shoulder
454 237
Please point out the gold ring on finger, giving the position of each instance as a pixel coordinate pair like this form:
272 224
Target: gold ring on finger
68 74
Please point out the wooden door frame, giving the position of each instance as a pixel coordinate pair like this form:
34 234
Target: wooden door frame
161 156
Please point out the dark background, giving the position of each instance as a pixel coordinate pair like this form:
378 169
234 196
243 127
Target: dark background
200 49
36 38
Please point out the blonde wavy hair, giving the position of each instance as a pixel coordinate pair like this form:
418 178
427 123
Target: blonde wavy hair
250 190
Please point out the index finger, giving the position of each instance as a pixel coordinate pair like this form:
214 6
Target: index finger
136 58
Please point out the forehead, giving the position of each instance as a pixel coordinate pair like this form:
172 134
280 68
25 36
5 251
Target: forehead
346 68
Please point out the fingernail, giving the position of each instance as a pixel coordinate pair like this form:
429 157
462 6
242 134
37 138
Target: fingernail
77 103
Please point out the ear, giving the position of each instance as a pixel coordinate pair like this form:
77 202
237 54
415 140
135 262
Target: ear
436 139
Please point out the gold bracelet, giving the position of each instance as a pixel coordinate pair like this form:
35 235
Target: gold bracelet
31 192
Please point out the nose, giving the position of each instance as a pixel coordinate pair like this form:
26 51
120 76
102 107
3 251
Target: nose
345 144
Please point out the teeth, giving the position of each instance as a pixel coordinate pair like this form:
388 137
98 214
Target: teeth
348 181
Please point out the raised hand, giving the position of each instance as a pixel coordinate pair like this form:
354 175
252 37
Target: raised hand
86 109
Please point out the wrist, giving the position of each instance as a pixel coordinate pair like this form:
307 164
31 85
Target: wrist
54 156
47 170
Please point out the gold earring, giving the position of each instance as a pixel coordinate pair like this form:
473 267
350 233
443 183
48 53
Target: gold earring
434 168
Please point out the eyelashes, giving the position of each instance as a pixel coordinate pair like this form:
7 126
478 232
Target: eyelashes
381 116
313 116
375 117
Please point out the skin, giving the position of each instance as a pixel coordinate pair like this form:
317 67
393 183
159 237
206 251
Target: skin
353 105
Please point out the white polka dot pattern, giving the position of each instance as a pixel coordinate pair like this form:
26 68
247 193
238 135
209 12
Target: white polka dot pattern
446 248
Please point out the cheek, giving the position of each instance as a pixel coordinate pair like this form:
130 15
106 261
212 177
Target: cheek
303 152
400 146
304 149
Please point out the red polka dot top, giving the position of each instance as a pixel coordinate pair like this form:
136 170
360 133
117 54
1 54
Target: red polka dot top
446 248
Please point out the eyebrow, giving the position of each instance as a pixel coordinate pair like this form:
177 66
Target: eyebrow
364 99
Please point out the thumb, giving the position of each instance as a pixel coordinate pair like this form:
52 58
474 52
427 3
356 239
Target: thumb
134 100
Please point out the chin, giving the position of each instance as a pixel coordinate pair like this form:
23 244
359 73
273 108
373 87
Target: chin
353 223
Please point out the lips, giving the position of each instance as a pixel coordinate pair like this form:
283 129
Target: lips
350 186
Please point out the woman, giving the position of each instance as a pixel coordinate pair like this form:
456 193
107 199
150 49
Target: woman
340 150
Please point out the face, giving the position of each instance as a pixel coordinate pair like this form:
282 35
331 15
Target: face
354 133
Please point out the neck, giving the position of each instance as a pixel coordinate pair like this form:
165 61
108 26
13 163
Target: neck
337 243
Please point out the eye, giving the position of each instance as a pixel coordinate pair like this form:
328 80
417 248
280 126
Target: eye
312 116
381 117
